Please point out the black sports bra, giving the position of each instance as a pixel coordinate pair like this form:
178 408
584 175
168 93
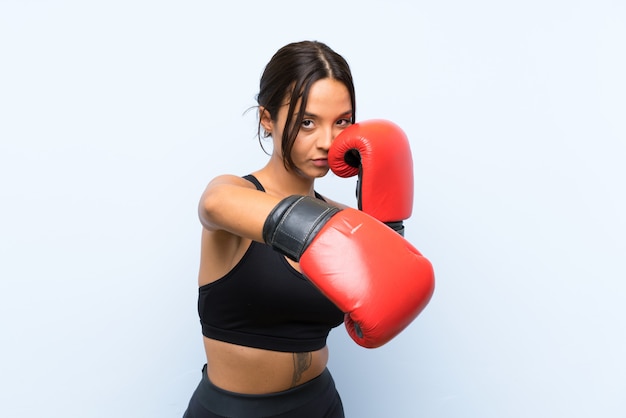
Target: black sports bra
264 302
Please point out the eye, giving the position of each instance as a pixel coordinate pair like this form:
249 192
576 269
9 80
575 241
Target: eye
307 124
344 123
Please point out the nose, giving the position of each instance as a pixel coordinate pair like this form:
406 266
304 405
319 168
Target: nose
326 138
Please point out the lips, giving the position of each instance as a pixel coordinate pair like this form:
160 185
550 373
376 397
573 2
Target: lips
320 162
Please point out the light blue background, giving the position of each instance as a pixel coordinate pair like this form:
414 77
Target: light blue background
115 114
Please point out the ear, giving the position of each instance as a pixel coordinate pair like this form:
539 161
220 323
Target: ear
266 120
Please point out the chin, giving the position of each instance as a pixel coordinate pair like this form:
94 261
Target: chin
321 173
313 174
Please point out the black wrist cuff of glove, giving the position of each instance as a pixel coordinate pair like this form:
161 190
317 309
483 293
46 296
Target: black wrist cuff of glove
396 226
294 222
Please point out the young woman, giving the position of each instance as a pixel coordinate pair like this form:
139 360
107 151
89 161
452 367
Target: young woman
264 324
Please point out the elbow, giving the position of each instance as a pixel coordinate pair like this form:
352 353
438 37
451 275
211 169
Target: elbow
207 209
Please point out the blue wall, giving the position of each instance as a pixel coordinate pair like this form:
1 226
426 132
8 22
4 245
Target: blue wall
114 115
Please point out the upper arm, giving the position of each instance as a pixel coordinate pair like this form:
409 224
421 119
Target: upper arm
232 204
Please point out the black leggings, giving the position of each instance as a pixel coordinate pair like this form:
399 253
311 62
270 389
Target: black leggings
317 398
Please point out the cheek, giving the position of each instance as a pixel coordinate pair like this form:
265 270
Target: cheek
302 144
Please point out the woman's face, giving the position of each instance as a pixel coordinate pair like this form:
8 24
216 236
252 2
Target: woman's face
328 112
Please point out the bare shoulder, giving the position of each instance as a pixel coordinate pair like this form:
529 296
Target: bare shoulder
229 180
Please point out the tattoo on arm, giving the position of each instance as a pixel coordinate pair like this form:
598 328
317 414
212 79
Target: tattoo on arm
301 362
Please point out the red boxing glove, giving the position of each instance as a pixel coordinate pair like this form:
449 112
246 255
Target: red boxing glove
379 152
377 278
371 273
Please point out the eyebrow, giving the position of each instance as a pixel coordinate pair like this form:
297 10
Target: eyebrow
313 115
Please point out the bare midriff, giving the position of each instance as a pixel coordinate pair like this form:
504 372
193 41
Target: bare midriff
251 370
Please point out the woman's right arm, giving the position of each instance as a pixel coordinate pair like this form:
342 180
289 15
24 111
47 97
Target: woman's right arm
232 204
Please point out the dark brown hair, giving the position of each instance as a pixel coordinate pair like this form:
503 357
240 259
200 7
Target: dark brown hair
289 75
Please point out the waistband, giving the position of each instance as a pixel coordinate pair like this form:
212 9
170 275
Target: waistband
232 404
